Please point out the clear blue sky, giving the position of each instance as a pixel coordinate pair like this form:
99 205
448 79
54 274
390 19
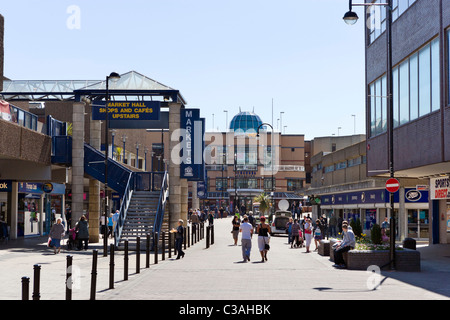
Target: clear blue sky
221 55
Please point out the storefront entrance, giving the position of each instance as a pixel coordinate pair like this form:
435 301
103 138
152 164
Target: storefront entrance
418 224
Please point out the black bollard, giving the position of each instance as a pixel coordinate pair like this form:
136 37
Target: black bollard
169 241
138 254
111 266
125 262
193 234
94 274
184 237
212 234
163 245
188 236
207 236
174 245
25 288
156 239
69 282
147 252
36 282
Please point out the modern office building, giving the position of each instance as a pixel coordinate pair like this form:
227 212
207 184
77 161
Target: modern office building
421 114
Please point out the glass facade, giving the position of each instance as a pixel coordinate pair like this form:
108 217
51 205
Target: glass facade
377 16
378 100
416 89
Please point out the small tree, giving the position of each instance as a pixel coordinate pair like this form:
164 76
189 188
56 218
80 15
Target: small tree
375 234
264 202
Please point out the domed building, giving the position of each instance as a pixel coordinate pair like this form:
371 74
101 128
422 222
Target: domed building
246 122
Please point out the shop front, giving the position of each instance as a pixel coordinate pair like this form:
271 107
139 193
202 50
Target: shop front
30 208
372 207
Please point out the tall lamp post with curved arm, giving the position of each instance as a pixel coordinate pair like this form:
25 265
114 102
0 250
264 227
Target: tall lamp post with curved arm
114 76
351 18
272 194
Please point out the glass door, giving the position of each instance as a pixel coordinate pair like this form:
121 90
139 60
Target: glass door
418 224
424 230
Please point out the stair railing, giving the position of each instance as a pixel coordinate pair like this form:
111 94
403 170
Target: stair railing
163 197
124 209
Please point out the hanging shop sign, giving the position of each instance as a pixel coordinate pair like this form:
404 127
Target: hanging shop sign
440 188
127 110
5 186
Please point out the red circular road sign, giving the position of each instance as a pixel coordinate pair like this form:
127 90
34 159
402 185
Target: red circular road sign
392 185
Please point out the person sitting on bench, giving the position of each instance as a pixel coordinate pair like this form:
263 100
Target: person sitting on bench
347 244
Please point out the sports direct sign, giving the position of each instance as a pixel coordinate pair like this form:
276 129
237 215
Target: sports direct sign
440 188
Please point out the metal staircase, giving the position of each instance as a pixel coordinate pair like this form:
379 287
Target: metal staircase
141 216
144 195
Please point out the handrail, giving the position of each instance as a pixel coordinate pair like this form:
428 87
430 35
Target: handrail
163 196
124 209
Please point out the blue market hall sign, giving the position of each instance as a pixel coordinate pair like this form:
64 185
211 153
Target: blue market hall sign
192 165
127 110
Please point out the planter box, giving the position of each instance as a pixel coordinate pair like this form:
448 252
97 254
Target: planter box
324 248
405 260
332 242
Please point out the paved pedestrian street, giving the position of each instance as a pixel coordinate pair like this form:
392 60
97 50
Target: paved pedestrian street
218 273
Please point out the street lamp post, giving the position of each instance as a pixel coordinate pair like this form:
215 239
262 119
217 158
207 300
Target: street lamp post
145 158
272 194
235 182
226 120
137 155
351 18
124 139
113 76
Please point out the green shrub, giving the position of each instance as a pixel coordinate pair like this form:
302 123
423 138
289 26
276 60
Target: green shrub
375 234
357 228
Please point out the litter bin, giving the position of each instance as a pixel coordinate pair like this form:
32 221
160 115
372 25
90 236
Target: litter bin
409 243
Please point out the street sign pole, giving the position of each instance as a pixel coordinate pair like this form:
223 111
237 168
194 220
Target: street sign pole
392 186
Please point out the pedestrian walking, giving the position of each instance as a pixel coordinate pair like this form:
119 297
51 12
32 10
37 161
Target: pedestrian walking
235 231
317 233
295 234
210 218
179 237
263 231
82 229
332 225
289 230
340 221
308 233
110 225
115 219
56 234
246 239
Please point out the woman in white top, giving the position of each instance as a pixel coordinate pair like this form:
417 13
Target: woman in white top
308 233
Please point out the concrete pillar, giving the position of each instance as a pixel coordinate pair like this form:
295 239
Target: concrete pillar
174 166
42 214
184 200
13 208
444 237
195 200
95 141
77 161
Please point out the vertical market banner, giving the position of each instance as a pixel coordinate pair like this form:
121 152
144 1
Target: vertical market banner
192 127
